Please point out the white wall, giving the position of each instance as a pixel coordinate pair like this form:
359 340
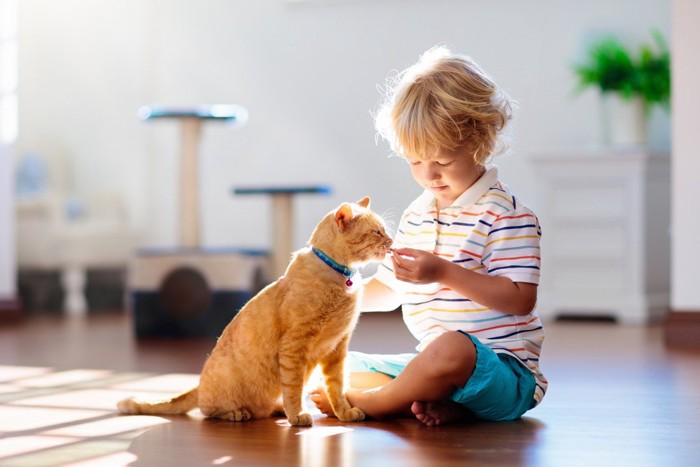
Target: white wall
686 157
308 72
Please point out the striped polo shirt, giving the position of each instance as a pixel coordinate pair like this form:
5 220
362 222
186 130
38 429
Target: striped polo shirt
486 230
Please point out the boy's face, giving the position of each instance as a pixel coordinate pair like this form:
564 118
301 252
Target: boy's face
446 173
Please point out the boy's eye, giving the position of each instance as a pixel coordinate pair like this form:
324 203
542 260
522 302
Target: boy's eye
444 163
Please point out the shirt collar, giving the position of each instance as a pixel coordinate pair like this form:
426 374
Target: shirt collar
470 196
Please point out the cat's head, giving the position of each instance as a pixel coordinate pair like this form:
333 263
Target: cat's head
352 234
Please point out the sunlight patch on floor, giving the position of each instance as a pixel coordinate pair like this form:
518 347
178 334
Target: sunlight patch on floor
8 373
63 418
62 378
173 382
118 459
98 399
324 431
222 460
109 427
19 419
8 388
23 444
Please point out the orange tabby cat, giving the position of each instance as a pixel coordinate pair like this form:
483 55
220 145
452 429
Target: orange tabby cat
264 357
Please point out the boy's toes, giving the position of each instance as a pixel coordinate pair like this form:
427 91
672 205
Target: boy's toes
321 402
418 408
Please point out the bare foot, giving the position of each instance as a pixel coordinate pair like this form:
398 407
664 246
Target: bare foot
439 413
318 396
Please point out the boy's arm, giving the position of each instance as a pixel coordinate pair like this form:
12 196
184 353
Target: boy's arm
378 297
499 293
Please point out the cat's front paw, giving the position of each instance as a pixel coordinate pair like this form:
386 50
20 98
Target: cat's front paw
351 415
301 419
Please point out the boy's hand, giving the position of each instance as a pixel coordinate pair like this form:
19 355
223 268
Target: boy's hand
417 266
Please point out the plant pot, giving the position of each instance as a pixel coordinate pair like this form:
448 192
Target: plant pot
624 121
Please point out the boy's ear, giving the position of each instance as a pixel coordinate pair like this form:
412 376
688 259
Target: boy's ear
364 202
343 216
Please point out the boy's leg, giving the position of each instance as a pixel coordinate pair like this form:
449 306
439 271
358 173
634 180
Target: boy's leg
446 364
368 379
358 380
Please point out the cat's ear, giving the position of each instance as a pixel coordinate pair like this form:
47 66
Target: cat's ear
364 202
343 216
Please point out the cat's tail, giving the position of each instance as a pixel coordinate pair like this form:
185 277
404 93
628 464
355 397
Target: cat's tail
178 405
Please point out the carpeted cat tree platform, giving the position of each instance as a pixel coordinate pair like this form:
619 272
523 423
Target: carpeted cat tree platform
190 291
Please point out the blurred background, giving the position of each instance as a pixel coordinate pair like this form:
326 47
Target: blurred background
310 73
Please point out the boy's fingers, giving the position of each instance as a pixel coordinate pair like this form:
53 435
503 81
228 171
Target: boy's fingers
398 260
402 273
407 255
405 251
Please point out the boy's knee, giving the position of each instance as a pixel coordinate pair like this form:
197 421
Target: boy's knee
451 356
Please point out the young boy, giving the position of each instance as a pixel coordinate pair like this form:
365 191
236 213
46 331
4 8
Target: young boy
465 264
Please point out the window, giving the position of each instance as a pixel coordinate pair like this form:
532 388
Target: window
8 135
8 72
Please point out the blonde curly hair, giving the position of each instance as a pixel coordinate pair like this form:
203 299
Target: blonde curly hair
444 101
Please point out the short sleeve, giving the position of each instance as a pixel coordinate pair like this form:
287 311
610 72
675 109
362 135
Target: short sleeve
513 247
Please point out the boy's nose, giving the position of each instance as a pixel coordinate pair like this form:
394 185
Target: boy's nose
433 174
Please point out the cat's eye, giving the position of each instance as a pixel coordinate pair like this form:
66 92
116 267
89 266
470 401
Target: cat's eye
377 232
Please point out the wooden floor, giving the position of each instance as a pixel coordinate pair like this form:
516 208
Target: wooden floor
617 397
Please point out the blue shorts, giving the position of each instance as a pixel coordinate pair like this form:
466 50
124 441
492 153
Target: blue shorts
501 388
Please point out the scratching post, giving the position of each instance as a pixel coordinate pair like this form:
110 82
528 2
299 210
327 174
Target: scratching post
190 291
191 120
282 217
282 237
191 132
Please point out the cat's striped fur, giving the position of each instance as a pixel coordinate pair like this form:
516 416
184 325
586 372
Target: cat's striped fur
264 357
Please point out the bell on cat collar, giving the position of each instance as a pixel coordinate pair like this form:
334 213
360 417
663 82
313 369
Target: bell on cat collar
344 270
348 273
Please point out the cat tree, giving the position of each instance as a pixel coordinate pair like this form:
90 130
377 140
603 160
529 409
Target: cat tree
190 291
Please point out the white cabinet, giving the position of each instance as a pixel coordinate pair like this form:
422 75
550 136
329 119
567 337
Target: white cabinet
606 234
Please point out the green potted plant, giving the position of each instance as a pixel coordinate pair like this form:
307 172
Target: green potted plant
630 84
654 74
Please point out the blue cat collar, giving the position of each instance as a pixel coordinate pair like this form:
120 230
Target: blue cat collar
339 268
